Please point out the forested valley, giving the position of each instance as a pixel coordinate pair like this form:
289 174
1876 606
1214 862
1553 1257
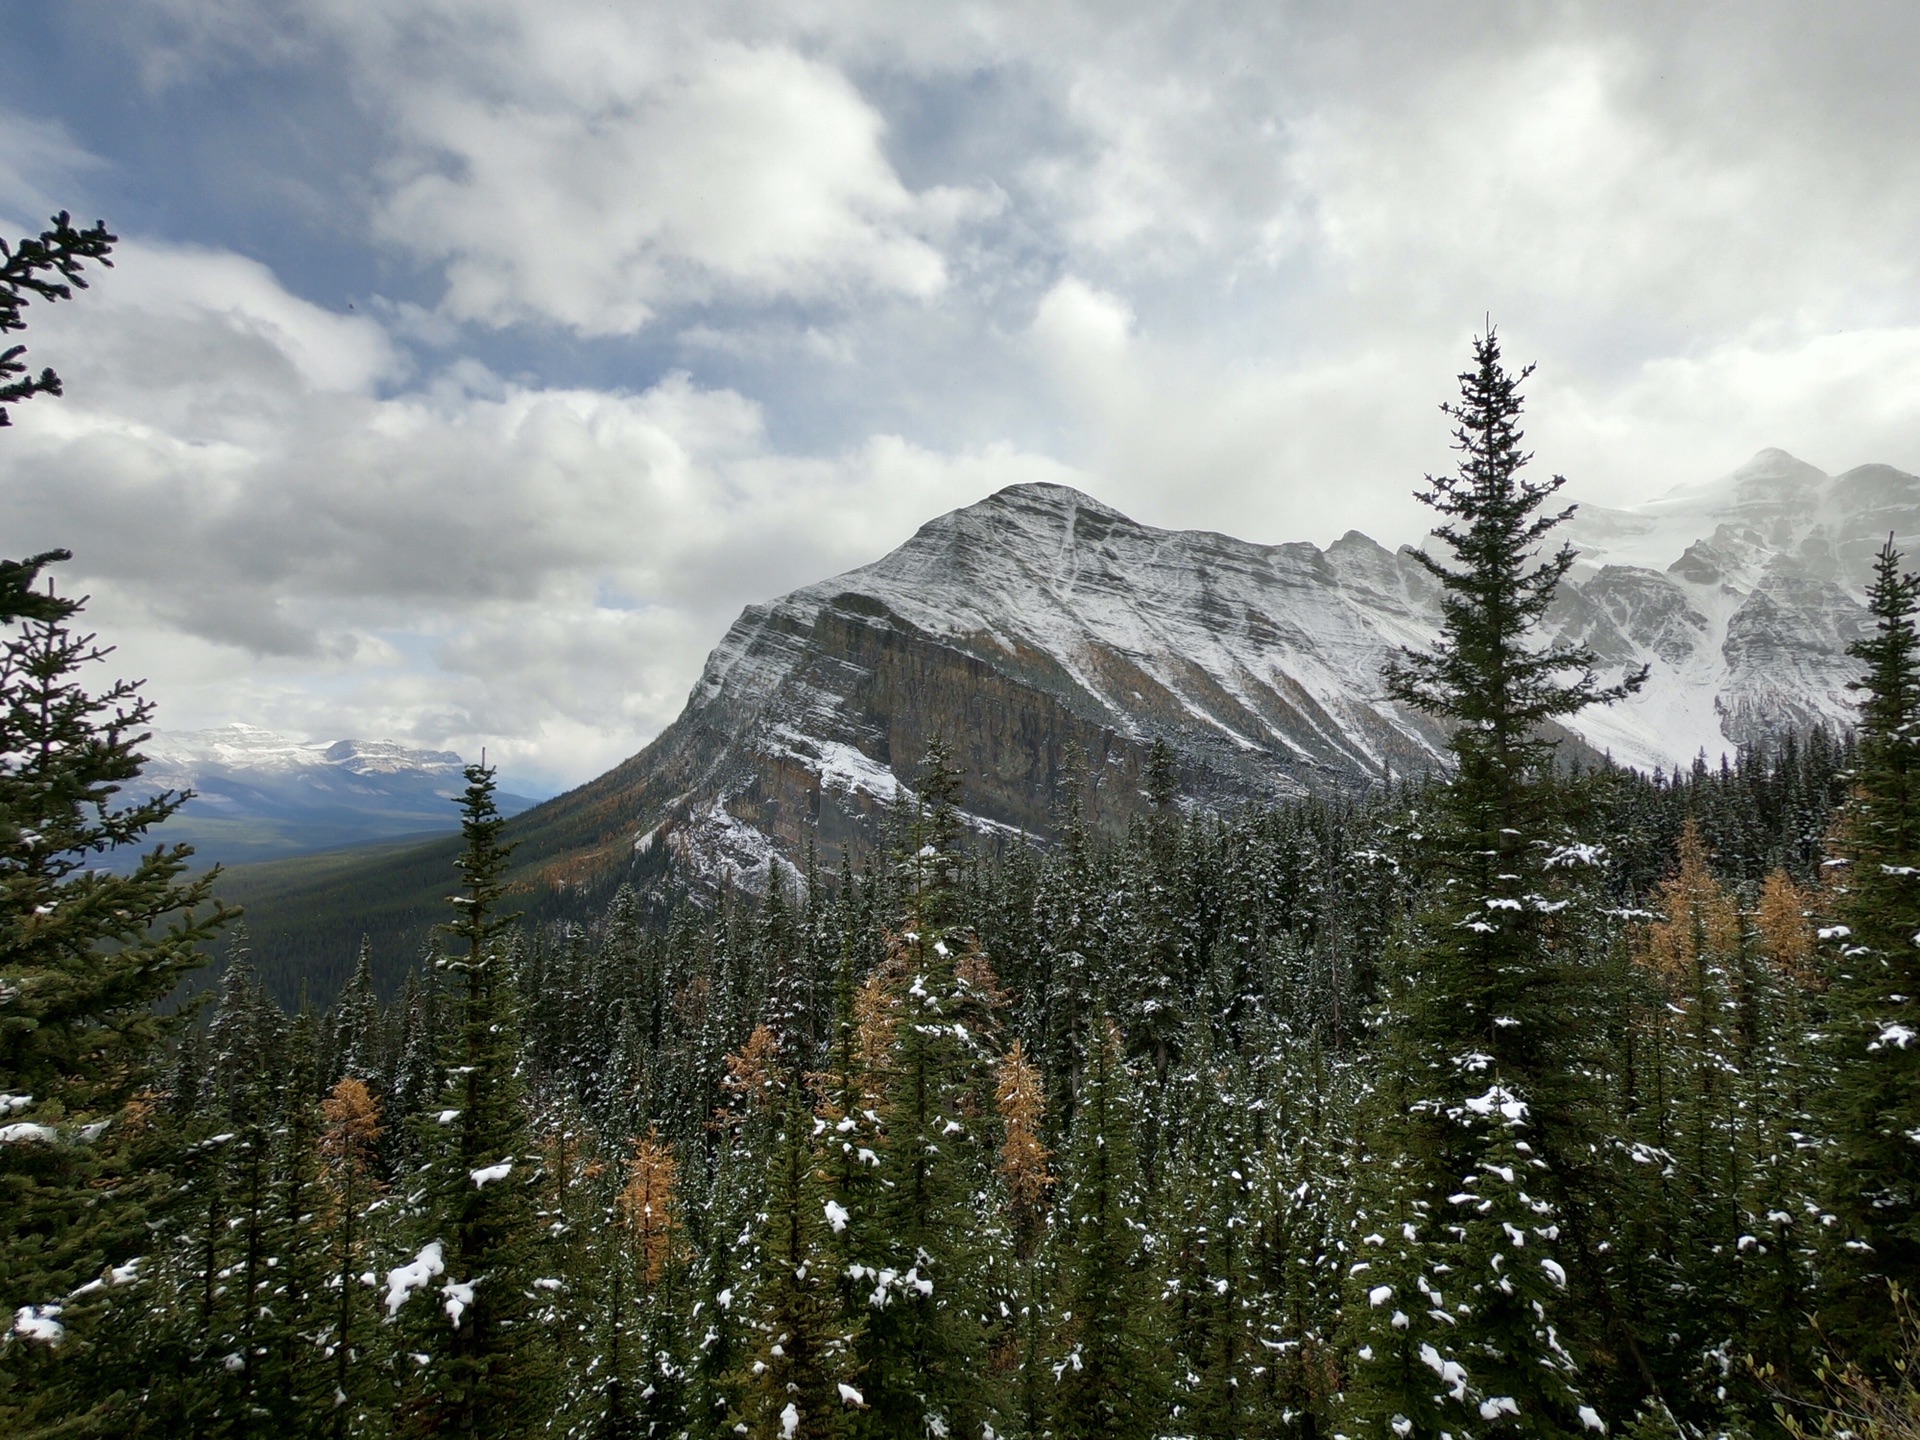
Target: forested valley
1530 1099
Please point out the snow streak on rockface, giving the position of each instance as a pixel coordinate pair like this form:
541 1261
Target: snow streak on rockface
1040 624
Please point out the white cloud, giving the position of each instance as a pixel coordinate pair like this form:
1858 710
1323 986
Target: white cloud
37 158
1835 400
467 561
1222 262
1548 188
752 172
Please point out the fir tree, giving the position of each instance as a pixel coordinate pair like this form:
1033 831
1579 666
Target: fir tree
85 955
488 1371
1461 1317
1110 1366
1872 1103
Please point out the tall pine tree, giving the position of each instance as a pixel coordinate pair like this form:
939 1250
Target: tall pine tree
85 955
488 1371
1872 1105
1459 1317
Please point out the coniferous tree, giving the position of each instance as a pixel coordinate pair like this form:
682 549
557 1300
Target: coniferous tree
796 1385
920 1353
348 1145
85 954
489 1370
1110 1364
247 1041
294 1383
645 1353
1025 1173
356 1043
1461 1322
1872 1103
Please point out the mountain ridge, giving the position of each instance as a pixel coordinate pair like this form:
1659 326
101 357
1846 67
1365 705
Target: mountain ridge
1257 663
1052 640
259 795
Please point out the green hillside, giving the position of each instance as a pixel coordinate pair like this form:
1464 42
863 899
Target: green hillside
306 914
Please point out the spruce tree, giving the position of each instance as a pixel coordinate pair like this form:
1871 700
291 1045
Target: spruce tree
1110 1365
796 1385
1871 1107
1460 1321
85 955
488 1372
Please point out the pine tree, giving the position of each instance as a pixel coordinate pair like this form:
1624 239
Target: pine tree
350 1135
1871 1107
796 1385
1025 1310
85 955
294 1381
1110 1366
1066 992
645 1353
921 1353
1463 1313
489 1370
718 1336
247 1041
356 1043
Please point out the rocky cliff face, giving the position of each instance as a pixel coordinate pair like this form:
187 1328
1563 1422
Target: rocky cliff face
1040 624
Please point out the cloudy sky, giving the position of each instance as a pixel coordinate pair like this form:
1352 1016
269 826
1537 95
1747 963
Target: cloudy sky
469 363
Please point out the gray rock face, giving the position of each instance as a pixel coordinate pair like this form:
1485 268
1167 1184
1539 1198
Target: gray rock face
1040 624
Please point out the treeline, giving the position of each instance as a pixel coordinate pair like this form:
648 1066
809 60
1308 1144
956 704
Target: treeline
1082 1142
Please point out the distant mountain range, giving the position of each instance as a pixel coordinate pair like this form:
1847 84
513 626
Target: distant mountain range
1048 636
262 796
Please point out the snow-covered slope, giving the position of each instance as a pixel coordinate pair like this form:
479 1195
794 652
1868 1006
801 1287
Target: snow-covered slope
259 795
1741 594
1041 623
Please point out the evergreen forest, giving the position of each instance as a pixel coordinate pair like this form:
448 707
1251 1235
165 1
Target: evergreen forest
1530 1099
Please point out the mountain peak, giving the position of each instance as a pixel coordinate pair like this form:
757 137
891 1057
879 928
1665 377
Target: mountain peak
1041 502
1042 494
1774 462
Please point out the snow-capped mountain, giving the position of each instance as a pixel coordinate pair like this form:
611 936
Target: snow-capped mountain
259 795
1040 623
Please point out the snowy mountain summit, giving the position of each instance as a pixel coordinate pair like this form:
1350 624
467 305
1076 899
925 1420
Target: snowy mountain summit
1041 624
235 749
260 795
1742 595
